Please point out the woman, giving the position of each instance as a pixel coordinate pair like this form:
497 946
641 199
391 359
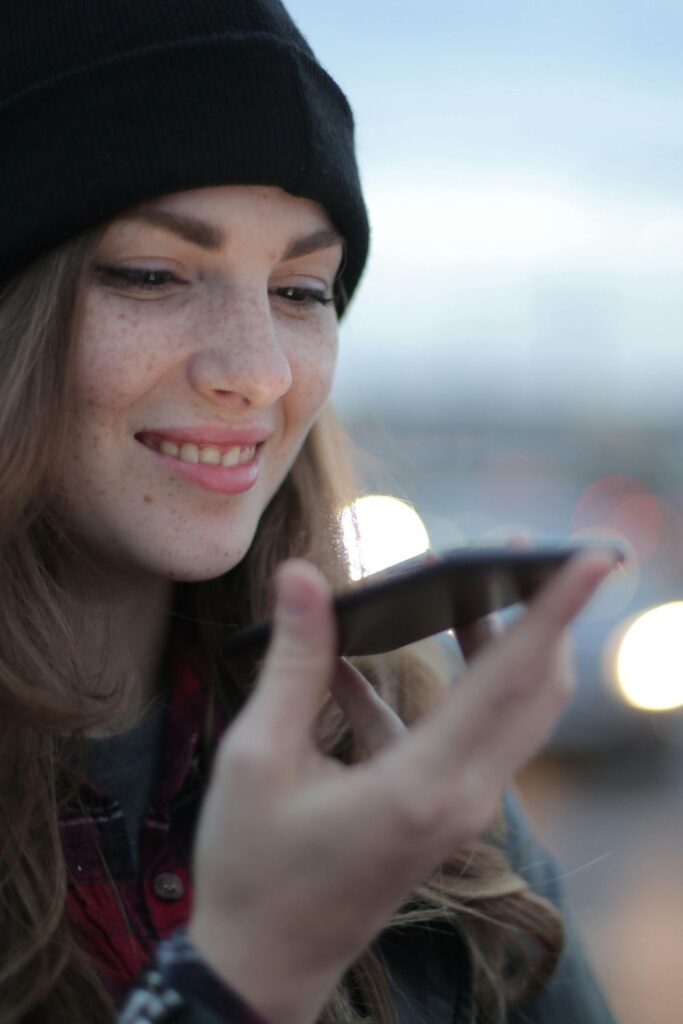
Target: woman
182 227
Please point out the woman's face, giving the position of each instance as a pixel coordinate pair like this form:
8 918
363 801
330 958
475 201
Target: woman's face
205 349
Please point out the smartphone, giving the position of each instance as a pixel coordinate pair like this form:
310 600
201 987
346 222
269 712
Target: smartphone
430 594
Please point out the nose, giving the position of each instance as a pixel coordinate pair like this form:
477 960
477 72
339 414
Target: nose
241 360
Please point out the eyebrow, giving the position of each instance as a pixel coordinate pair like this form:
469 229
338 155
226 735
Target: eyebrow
190 229
326 238
208 236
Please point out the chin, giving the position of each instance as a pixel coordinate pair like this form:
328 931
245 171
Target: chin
195 569
197 576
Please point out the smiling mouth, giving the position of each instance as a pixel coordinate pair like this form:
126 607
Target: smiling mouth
206 455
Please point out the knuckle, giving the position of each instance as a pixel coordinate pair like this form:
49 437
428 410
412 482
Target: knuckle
421 816
472 819
295 657
243 757
560 684
563 692
471 813
446 818
475 800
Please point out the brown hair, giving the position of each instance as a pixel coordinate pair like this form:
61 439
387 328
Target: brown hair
44 974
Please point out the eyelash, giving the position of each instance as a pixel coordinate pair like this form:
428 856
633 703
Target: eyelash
132 277
302 296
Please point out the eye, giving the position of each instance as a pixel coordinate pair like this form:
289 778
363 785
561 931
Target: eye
146 279
300 296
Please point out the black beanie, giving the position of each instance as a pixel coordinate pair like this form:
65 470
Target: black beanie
107 103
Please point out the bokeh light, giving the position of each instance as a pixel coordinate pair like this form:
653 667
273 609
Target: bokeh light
380 530
649 659
625 506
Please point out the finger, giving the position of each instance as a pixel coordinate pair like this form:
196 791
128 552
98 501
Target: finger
475 635
300 661
520 542
517 662
563 597
504 704
472 637
374 724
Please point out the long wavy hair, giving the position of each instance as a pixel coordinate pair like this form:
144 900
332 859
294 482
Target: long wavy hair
514 936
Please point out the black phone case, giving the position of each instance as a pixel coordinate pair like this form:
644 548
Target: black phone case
425 596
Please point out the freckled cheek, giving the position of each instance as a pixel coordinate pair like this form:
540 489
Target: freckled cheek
117 361
312 376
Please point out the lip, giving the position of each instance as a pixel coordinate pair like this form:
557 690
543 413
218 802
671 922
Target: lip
223 480
221 437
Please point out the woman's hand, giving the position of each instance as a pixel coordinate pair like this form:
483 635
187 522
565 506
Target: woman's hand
299 860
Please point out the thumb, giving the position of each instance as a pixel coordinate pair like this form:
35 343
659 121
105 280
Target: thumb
299 665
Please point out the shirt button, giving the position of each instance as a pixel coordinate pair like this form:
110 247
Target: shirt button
169 887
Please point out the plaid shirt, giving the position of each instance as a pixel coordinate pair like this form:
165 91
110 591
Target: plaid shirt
122 914
133 922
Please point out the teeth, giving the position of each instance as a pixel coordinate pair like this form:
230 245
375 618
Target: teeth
189 453
210 456
231 458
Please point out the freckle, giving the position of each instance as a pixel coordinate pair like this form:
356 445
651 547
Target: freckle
149 499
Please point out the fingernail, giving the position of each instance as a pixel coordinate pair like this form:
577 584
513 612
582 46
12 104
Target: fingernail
293 595
603 566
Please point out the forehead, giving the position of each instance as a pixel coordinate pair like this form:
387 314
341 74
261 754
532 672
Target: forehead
226 203
208 217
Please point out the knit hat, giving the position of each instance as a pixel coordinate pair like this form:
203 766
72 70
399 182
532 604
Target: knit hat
107 103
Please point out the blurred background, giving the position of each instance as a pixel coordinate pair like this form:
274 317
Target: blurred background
513 363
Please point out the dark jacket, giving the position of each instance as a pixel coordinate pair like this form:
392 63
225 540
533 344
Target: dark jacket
430 973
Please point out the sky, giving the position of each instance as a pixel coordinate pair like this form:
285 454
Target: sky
523 168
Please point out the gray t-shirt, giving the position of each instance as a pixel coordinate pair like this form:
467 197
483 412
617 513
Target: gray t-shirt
126 767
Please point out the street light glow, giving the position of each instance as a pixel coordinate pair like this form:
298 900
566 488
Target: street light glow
380 530
649 659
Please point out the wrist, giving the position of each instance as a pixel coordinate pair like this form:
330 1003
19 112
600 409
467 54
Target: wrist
186 971
265 980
